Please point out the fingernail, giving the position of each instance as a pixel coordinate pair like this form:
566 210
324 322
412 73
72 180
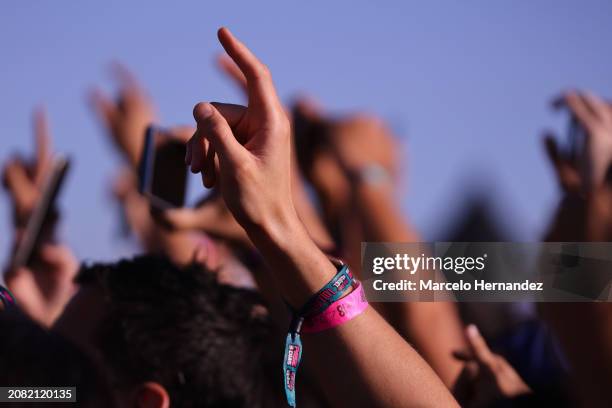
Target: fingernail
473 331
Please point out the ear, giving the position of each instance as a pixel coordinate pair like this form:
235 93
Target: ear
152 395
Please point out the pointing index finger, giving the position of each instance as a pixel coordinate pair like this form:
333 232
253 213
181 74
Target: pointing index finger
259 82
43 143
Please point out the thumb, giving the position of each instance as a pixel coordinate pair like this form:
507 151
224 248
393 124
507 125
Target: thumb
214 127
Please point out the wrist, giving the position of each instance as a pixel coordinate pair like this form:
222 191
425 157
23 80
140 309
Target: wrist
274 227
370 177
298 265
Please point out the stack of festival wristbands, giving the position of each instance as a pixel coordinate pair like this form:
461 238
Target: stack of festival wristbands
6 298
331 306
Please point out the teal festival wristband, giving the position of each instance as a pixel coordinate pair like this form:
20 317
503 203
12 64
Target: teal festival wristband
334 290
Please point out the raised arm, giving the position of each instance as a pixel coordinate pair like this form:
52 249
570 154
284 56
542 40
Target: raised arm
585 329
247 150
356 184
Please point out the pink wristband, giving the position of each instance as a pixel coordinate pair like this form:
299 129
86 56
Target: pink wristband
337 313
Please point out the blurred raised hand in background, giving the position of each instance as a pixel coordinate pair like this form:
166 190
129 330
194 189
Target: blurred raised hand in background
126 117
44 286
487 377
584 214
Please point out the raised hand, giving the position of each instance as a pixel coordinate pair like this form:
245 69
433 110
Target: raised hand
253 145
210 216
335 151
43 289
589 169
487 376
126 118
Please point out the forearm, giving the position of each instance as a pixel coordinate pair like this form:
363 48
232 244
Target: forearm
584 331
435 330
383 222
298 265
381 218
373 365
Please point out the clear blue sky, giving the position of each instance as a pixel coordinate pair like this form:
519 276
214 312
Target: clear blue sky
466 85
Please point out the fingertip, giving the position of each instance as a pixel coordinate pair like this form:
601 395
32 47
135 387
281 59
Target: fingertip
472 331
223 33
122 74
558 101
202 111
207 180
49 252
569 95
100 102
196 164
92 95
204 180
40 111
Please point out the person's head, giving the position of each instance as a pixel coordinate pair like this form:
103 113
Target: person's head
31 356
170 336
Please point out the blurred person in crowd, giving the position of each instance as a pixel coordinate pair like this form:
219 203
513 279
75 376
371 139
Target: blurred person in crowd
173 336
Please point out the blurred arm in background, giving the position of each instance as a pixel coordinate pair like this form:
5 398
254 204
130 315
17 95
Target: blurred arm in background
585 215
354 170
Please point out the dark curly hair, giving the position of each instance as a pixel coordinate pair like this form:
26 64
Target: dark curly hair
202 340
31 356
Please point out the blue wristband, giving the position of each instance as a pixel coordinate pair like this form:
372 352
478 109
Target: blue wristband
335 289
